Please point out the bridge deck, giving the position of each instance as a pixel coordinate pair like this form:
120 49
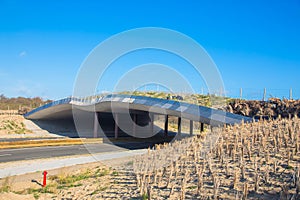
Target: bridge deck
63 108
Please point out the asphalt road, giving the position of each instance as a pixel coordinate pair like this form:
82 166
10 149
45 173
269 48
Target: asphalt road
8 155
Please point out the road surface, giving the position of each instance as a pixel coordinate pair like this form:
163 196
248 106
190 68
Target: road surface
8 155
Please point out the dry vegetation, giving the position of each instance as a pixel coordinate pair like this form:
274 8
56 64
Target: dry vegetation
270 109
21 104
249 161
82 184
12 124
199 99
11 109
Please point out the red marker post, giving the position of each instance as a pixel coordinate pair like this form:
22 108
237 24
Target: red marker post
45 178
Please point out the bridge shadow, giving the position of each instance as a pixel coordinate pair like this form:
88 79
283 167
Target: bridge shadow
132 143
66 128
59 127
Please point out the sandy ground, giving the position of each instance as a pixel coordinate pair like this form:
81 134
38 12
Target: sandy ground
110 179
16 126
10 124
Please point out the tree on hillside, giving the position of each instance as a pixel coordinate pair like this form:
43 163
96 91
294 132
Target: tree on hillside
2 97
18 103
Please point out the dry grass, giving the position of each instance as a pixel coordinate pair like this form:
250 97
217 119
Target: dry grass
64 185
248 161
199 99
11 124
5 185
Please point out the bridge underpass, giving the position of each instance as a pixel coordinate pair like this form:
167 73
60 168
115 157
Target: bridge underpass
109 124
107 116
104 125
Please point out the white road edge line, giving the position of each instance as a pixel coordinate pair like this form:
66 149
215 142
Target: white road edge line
5 154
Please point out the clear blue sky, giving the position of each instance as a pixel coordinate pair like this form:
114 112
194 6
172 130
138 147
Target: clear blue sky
255 44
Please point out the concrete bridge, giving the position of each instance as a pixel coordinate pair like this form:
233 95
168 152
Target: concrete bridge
109 113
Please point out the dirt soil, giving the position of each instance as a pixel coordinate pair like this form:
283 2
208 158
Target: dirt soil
13 124
106 180
16 126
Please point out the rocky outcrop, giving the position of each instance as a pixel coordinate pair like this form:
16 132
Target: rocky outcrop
272 108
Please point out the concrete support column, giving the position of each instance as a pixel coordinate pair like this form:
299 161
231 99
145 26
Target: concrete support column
152 123
166 125
191 127
202 127
134 124
116 125
179 126
96 122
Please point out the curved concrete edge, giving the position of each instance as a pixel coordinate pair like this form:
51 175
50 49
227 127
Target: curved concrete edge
63 109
